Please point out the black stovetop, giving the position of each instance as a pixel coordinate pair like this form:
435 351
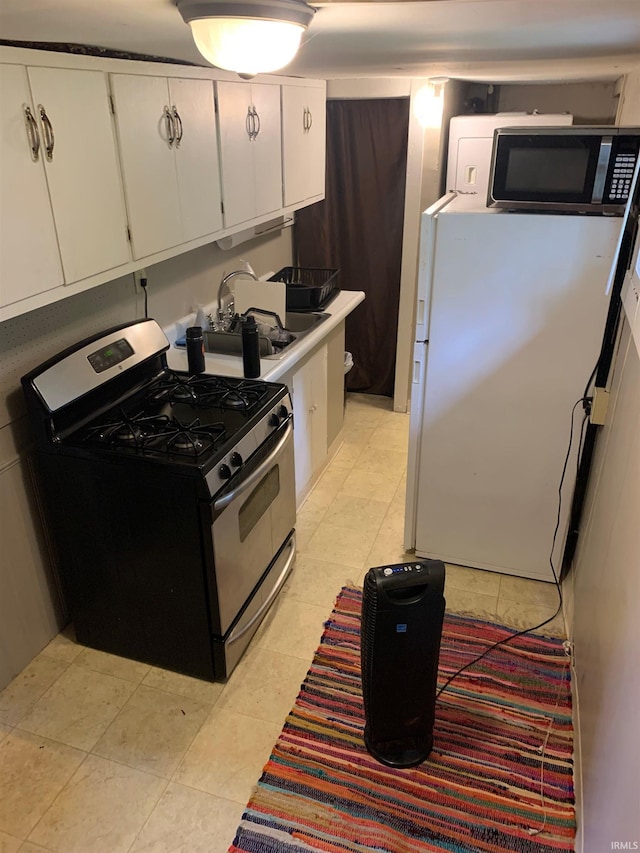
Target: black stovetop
187 419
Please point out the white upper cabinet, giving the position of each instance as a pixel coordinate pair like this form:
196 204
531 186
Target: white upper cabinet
303 142
82 172
197 162
29 256
109 165
250 150
60 177
168 147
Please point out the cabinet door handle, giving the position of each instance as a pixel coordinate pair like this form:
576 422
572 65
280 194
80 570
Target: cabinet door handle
304 118
47 132
248 123
178 122
257 118
32 133
170 126
310 119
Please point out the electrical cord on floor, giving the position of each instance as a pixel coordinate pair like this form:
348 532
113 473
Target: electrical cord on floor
582 400
542 749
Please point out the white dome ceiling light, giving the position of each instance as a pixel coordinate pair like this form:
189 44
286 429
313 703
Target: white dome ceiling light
247 36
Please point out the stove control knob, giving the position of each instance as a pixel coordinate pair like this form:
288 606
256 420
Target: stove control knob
236 459
274 420
224 472
283 412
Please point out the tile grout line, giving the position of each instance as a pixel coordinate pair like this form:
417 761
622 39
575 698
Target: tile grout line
41 696
150 815
52 803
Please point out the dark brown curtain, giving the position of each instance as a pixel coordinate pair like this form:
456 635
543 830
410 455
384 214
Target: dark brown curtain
358 228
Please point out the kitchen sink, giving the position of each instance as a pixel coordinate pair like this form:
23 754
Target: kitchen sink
298 324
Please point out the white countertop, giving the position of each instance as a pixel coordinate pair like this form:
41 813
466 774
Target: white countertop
270 369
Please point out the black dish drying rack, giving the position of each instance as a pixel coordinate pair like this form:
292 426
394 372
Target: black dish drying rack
308 288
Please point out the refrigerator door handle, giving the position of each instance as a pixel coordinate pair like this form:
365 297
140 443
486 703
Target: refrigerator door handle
415 432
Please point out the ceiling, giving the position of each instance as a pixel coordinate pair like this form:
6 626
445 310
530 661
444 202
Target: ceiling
483 40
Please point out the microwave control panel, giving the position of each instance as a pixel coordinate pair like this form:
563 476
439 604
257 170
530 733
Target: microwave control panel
621 175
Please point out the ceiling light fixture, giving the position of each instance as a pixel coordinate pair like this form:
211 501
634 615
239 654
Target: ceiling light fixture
247 36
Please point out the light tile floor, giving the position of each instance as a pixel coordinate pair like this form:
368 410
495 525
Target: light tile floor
104 755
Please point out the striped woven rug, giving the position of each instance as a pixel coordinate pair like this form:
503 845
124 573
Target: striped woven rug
483 787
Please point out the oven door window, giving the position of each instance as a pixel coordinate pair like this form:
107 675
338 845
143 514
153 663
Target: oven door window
258 502
248 532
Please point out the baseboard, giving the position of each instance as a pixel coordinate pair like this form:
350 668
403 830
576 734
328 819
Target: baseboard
568 607
577 761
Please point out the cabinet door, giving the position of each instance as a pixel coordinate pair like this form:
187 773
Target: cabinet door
236 152
148 162
196 153
316 141
303 143
83 173
335 383
267 148
29 257
310 419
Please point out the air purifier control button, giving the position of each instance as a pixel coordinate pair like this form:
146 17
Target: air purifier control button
402 567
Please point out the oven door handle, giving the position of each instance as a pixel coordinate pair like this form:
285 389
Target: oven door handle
256 475
266 604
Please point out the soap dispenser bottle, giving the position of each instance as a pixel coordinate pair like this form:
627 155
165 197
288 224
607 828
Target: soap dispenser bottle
250 348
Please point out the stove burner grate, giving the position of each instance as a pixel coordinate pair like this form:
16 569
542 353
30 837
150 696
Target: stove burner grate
208 391
159 433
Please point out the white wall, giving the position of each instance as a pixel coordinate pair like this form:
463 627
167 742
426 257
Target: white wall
605 623
30 613
603 593
589 103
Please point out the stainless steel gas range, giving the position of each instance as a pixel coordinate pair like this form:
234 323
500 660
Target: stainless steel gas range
170 499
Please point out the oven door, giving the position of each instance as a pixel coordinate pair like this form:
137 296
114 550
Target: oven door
251 520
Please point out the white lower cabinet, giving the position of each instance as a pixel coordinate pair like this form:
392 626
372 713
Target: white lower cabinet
61 205
335 383
309 391
169 153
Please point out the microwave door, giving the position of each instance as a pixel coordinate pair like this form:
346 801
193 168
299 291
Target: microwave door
549 170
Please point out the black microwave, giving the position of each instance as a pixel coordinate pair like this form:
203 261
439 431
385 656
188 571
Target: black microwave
563 169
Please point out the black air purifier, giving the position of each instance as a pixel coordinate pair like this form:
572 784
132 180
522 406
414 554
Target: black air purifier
402 613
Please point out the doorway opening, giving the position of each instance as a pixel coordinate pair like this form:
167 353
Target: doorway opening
358 228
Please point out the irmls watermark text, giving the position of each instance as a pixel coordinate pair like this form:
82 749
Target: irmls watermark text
625 845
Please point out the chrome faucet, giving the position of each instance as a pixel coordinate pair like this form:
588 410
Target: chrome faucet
225 281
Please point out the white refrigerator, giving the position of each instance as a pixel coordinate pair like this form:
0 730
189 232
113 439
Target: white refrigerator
510 315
